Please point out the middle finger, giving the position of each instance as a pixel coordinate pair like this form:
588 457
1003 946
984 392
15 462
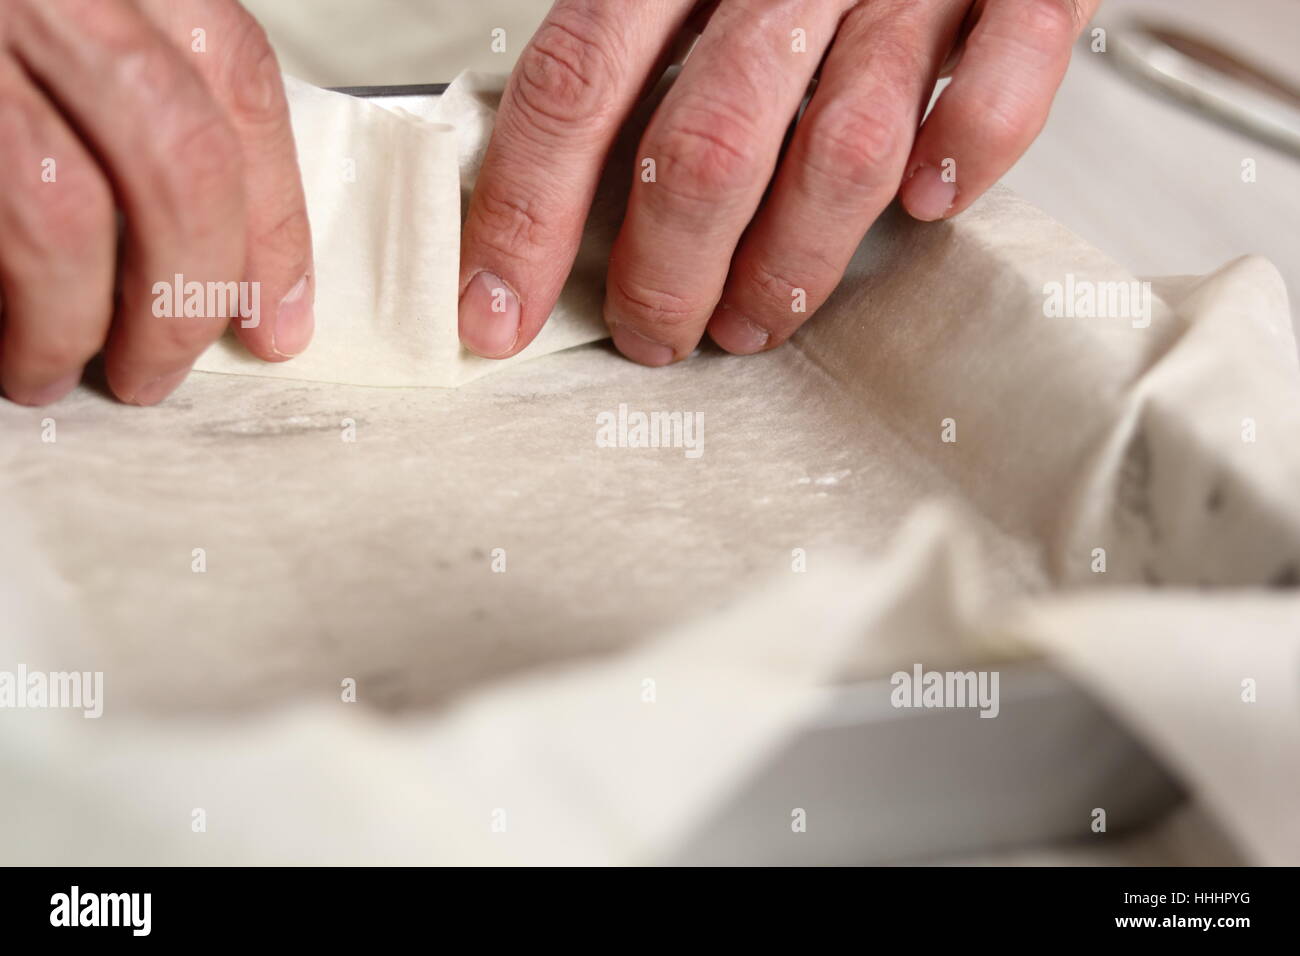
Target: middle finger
714 142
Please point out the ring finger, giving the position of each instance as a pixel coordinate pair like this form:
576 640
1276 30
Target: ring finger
57 257
843 168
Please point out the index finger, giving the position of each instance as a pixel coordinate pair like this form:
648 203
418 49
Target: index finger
574 85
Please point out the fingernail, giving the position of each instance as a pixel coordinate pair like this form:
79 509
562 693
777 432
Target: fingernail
294 320
639 348
489 316
737 334
927 196
159 388
51 393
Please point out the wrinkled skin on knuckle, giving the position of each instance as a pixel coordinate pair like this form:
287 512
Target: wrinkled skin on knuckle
856 146
566 75
774 289
897 55
705 155
507 222
654 311
289 238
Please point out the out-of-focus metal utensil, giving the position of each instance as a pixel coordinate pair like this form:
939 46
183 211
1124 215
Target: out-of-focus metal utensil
1211 79
383 92
418 99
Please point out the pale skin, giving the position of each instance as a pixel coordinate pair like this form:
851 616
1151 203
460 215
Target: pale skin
193 153
729 232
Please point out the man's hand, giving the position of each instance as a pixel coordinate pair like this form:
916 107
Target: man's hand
171 112
731 234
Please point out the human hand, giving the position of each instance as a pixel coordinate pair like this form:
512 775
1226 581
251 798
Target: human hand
173 113
732 233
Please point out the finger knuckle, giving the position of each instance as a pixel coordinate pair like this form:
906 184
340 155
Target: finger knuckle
201 168
253 77
287 238
855 145
567 73
1032 31
1007 123
150 70
75 212
51 348
1048 20
62 215
195 154
705 154
776 288
508 222
900 50
651 307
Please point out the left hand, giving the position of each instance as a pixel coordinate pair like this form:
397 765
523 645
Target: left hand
731 229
